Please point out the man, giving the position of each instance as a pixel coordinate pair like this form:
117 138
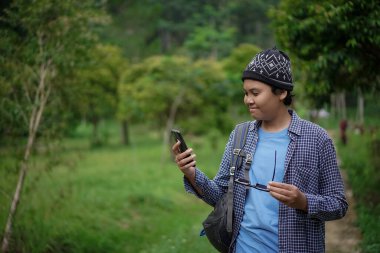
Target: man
295 179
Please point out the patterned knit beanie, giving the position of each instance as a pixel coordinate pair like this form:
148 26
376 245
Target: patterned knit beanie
272 67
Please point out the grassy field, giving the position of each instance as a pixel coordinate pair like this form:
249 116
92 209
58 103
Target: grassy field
113 198
109 199
362 165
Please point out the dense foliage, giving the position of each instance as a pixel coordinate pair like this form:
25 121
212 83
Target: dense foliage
338 41
147 27
47 41
163 64
362 168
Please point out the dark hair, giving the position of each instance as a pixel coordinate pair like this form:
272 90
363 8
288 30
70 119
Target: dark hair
289 96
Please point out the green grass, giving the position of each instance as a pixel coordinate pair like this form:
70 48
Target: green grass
358 161
113 198
109 199
362 164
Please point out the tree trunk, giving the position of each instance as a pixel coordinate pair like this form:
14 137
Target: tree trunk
165 41
171 120
360 109
41 95
214 53
124 133
333 105
12 211
95 136
344 107
341 105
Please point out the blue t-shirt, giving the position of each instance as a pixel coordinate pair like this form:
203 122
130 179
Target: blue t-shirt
259 228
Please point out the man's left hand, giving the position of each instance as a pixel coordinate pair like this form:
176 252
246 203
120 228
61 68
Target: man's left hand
288 194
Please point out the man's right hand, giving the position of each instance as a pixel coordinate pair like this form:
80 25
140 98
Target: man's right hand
185 161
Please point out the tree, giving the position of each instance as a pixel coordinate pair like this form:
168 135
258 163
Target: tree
214 97
206 41
252 22
164 27
98 83
234 66
40 43
164 90
153 89
338 41
238 59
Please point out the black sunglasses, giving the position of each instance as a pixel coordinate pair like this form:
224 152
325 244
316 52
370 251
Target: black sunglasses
258 186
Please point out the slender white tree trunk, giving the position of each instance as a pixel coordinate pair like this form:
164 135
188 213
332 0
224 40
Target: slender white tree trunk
341 105
333 105
344 107
360 109
41 96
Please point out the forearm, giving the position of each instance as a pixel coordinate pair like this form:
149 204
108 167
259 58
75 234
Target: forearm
208 190
190 176
196 182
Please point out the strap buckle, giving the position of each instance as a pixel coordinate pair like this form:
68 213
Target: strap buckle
232 170
237 151
249 158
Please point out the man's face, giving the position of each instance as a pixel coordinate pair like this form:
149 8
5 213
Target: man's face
261 102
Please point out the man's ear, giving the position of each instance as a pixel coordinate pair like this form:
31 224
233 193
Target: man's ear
283 94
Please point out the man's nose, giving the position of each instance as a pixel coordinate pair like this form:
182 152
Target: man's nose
250 100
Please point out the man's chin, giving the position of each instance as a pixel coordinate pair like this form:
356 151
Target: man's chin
256 117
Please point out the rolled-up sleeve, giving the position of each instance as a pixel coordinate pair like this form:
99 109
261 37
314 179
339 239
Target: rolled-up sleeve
212 189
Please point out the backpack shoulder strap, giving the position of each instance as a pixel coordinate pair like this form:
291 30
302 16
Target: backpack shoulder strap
239 139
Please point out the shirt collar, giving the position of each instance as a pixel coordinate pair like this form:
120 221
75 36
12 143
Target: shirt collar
294 127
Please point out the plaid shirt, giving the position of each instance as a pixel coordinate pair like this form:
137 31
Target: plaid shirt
311 165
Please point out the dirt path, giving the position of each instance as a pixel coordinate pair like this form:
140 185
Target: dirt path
342 236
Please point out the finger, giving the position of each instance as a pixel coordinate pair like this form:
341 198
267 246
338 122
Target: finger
175 147
186 160
279 197
185 154
188 166
280 191
281 185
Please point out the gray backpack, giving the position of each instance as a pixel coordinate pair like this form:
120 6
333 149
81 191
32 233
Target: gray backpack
218 224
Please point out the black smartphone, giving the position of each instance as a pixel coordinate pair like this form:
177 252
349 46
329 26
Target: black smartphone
178 136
